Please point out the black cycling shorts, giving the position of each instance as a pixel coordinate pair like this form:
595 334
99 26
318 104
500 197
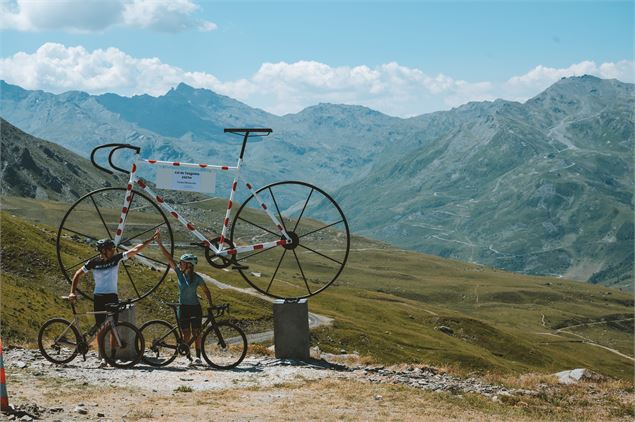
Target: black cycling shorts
99 304
190 317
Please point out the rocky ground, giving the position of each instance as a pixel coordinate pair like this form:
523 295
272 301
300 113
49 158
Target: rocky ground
81 390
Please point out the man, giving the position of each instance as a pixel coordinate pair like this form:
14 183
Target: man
105 270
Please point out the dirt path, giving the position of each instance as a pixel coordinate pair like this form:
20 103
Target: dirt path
256 390
590 342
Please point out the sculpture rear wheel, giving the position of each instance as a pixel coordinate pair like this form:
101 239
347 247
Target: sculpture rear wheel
320 240
96 216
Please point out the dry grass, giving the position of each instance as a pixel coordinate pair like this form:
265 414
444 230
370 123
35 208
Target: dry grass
259 350
341 399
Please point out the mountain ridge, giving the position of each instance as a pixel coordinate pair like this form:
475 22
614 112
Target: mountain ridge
538 168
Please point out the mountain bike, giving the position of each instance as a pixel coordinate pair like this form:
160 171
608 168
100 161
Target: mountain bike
223 344
59 340
289 239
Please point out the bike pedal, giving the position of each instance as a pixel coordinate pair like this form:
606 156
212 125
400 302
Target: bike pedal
240 267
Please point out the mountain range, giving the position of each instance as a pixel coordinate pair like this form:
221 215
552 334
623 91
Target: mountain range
541 187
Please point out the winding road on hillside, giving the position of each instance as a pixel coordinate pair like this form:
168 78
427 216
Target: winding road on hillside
588 341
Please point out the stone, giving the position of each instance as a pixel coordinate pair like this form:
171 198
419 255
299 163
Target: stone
20 364
580 374
80 410
445 329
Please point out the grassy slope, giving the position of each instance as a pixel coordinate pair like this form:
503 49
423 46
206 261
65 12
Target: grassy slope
32 285
388 302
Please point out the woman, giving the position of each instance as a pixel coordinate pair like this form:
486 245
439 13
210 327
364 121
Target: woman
190 314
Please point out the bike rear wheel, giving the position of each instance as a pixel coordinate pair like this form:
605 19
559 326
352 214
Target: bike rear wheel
58 340
318 228
161 343
96 216
125 354
224 345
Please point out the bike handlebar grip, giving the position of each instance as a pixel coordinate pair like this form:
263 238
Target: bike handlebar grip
110 159
116 147
92 160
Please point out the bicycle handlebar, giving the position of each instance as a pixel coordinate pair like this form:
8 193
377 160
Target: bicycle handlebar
114 147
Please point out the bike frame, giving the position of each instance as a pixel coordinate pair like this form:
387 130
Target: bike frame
110 321
209 319
221 250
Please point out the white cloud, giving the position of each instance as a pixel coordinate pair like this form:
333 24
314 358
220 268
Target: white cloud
283 87
98 15
539 78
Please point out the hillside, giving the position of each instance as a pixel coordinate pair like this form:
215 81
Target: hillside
544 187
34 168
500 322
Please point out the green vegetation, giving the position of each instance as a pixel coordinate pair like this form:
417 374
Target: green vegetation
32 285
388 304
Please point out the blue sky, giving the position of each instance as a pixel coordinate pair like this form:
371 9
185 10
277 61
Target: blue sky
400 58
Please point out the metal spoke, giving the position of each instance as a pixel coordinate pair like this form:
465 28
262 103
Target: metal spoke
100 216
153 260
277 209
276 271
82 262
80 234
131 280
303 208
144 256
142 233
261 228
322 228
306 283
256 253
321 254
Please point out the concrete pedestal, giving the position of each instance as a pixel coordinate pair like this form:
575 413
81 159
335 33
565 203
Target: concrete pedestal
291 335
126 335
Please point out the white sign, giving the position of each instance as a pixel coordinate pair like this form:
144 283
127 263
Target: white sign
189 179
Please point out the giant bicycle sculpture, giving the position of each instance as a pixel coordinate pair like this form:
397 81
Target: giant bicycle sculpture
288 240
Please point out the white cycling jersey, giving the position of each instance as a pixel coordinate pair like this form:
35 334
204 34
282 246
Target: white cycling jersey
105 272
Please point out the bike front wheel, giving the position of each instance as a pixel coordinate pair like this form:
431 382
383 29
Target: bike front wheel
123 349
320 240
161 343
224 345
58 341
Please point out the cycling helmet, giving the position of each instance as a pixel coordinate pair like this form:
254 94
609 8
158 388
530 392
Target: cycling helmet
105 243
188 257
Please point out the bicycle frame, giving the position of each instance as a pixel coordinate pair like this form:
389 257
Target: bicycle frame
209 319
110 321
221 250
